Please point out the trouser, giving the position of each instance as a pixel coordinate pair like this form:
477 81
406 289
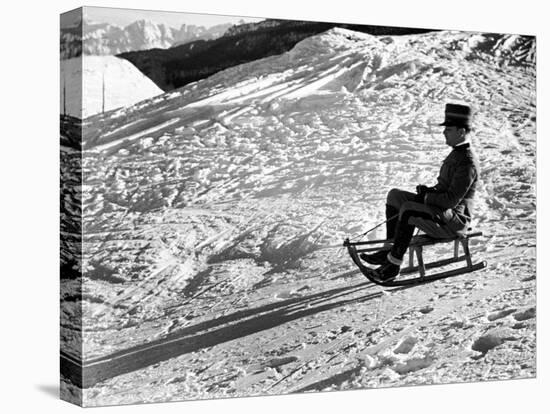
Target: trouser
411 214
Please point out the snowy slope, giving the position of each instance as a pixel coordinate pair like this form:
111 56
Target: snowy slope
108 83
214 216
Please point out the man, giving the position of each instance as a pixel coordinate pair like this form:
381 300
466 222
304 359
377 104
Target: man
440 211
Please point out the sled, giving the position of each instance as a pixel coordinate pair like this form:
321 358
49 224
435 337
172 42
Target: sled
416 249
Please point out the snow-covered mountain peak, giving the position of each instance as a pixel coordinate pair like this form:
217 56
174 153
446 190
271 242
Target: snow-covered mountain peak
338 36
150 31
96 38
142 23
335 39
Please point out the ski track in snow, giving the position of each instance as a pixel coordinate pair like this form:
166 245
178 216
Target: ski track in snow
210 212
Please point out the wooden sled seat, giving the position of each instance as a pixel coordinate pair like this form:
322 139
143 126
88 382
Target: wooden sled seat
459 240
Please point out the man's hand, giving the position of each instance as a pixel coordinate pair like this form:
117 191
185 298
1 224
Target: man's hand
421 190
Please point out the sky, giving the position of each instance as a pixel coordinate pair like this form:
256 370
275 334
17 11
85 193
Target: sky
124 17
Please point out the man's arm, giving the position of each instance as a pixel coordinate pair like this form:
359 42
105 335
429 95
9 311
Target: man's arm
463 178
422 192
423 189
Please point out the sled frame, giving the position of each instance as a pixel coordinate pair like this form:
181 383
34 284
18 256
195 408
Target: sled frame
416 250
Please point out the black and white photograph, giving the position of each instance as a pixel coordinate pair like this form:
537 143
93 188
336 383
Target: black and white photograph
263 206
244 207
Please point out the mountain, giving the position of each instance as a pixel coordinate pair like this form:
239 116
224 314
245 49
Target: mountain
247 28
94 84
214 216
178 66
189 33
105 39
70 41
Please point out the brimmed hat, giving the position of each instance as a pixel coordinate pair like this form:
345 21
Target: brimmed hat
457 115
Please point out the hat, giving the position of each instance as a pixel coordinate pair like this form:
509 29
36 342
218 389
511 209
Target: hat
457 115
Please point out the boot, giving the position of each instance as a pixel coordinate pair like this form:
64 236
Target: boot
387 272
377 258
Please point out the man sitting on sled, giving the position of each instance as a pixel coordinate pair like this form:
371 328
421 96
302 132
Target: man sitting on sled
440 211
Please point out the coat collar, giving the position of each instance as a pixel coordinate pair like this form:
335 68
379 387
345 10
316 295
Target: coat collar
464 145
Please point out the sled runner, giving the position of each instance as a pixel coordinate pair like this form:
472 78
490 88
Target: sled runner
415 249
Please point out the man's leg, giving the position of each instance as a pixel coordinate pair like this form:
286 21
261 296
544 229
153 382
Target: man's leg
403 234
394 200
435 229
405 229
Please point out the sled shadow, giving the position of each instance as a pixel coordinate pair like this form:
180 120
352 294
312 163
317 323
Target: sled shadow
210 333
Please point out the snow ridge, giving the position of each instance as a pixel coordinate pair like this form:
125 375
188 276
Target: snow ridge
97 84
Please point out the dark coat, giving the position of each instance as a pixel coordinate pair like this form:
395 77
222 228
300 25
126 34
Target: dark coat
456 187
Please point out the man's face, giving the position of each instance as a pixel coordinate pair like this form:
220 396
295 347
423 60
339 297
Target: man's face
454 135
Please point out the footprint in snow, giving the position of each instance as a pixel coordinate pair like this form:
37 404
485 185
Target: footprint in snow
492 339
277 362
426 309
406 345
500 314
414 364
521 316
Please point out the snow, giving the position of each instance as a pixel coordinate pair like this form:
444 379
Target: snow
219 210
102 83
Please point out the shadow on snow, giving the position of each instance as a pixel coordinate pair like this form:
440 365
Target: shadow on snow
209 333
